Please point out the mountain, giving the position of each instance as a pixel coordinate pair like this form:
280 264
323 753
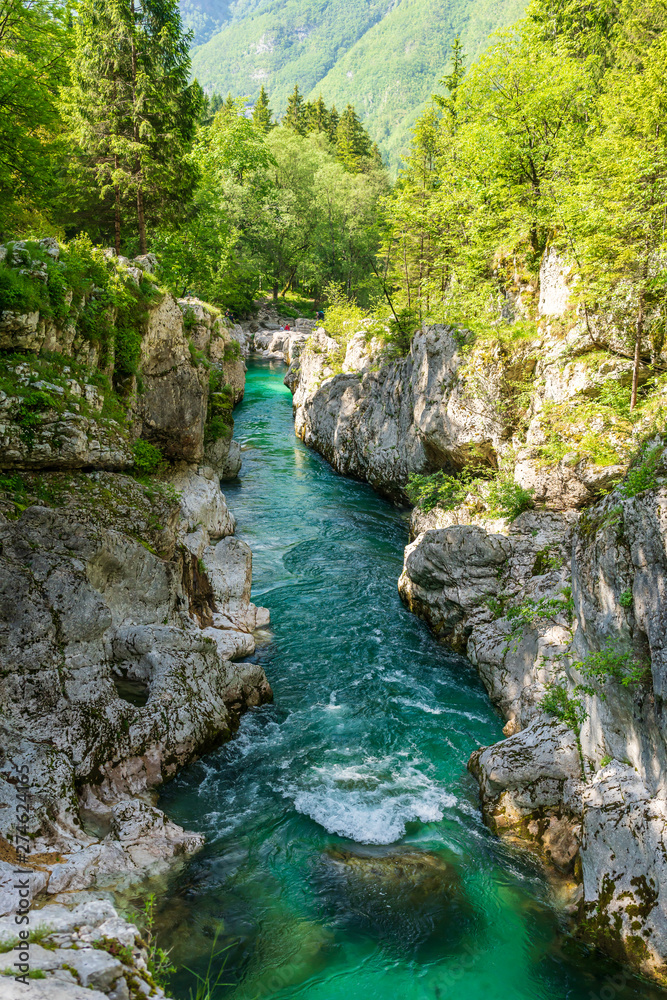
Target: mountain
384 56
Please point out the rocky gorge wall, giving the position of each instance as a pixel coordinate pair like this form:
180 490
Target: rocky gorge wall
124 604
561 609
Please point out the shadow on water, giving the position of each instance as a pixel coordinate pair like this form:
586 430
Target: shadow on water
345 855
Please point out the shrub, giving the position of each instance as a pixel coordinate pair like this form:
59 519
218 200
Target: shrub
189 318
18 293
612 663
147 457
557 702
643 473
441 490
546 560
508 499
159 963
626 599
28 414
343 316
217 428
232 351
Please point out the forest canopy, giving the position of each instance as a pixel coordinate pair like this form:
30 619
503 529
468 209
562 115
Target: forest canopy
555 138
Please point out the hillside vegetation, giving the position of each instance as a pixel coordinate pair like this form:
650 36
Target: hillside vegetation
384 57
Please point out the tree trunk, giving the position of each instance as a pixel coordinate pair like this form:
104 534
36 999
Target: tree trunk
141 219
117 212
276 289
117 220
638 352
143 248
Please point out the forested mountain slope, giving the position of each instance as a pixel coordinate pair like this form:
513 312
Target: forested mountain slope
384 56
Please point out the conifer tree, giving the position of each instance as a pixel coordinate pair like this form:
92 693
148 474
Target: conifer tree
332 126
353 145
452 80
317 116
295 115
261 113
131 105
215 103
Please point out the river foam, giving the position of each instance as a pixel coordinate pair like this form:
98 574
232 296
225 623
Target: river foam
370 803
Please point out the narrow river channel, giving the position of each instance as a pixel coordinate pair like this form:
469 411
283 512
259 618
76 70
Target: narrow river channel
345 855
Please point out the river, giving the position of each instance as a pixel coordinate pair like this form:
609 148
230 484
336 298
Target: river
346 856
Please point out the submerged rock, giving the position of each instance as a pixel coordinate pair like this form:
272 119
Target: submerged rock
408 899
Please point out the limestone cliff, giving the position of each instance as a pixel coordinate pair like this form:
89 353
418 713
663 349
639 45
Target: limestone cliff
124 595
541 404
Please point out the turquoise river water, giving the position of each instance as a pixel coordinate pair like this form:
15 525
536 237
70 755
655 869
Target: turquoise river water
345 854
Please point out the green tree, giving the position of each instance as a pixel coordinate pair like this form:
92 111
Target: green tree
615 202
353 146
131 106
295 115
33 47
261 113
317 118
332 126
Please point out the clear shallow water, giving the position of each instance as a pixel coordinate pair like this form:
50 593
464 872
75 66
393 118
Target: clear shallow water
345 855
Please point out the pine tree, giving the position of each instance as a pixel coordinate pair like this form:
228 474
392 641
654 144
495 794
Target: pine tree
332 126
295 115
317 119
353 145
452 80
131 104
215 104
261 113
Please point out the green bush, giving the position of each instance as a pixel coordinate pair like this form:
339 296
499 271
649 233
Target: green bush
18 293
643 473
508 499
546 560
148 459
216 428
529 611
189 318
612 663
343 316
557 702
232 351
626 599
441 490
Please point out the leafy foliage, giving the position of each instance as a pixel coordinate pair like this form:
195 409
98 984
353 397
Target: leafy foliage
440 489
612 662
558 703
508 499
33 49
643 473
159 964
147 457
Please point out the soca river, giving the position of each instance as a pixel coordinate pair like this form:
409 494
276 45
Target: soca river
345 853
